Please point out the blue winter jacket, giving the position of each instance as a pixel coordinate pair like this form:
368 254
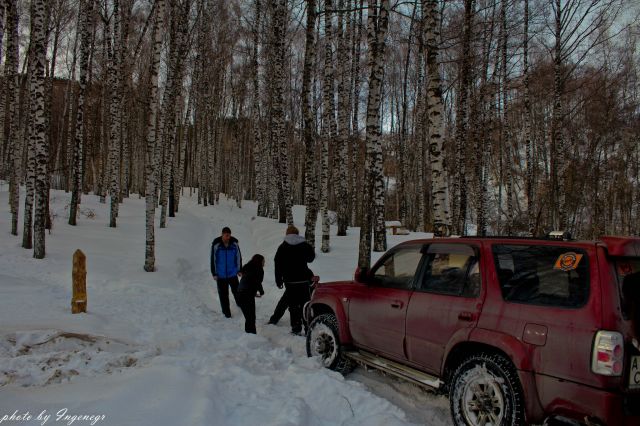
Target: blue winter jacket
225 261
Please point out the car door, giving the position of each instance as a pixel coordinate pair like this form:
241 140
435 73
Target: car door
377 310
445 304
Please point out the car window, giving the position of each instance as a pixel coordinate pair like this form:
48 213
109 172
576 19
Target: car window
543 275
452 269
398 269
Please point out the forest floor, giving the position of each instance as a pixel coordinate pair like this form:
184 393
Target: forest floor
154 348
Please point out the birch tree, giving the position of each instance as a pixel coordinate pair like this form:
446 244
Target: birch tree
85 11
13 111
37 133
435 112
342 139
527 124
30 137
152 139
177 57
377 24
329 123
115 113
310 189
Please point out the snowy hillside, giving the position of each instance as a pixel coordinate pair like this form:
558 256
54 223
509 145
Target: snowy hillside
154 348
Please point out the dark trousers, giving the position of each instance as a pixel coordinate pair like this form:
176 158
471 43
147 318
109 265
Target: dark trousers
297 295
223 293
248 305
281 308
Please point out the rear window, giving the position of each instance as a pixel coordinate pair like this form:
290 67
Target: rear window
543 275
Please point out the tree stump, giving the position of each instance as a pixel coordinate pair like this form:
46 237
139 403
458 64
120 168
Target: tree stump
79 299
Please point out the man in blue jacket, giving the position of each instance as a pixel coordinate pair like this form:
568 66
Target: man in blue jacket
226 262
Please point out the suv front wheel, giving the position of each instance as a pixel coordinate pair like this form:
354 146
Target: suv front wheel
485 390
323 340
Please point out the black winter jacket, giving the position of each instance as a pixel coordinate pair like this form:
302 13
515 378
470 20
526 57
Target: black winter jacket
291 260
251 280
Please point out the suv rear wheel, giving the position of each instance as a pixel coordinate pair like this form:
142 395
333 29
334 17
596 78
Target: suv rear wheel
485 390
323 340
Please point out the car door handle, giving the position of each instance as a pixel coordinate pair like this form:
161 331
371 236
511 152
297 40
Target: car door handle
466 316
397 304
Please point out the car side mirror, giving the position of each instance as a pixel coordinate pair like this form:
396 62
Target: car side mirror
362 275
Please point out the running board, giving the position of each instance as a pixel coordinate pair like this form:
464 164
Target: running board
394 368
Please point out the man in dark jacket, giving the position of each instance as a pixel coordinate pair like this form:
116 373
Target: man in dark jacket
291 271
226 262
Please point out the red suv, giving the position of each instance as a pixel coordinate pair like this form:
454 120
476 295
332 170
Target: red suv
515 330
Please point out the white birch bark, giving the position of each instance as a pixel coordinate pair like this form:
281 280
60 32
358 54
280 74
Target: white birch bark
435 112
178 50
527 125
343 125
11 75
310 197
4 163
279 22
37 133
115 105
329 124
379 229
29 143
86 9
377 24
152 140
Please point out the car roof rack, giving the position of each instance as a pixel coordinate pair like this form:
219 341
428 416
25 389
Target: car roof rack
553 236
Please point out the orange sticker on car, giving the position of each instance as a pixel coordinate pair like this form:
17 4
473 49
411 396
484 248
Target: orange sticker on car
568 261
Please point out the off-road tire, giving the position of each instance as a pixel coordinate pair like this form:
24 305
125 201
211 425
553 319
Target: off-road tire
323 339
486 384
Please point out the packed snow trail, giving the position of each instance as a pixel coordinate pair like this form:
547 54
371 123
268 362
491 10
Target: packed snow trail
154 348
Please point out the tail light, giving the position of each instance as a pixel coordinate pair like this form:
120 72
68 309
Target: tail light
608 353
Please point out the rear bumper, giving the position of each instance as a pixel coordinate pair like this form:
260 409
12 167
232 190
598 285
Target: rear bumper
580 402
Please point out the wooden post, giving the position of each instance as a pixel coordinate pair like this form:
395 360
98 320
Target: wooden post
79 299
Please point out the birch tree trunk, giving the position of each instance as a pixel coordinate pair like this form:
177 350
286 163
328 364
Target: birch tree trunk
462 116
13 112
115 114
377 24
258 148
527 126
29 142
86 10
329 123
178 51
355 149
557 142
152 140
310 181
435 112
343 118
4 163
280 27
506 134
37 133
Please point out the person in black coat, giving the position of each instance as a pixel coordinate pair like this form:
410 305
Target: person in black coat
293 273
250 285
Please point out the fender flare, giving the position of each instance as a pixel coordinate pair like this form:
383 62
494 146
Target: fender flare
520 355
328 303
517 351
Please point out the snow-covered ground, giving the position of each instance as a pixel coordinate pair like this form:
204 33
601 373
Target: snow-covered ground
154 348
